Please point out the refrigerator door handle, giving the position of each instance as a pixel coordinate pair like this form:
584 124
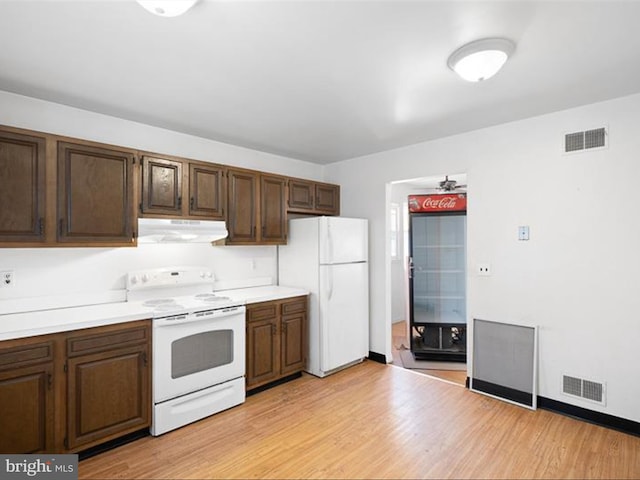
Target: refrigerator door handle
411 267
330 292
330 244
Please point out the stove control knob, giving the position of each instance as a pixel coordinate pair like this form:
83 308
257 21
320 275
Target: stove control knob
209 275
145 278
134 280
202 274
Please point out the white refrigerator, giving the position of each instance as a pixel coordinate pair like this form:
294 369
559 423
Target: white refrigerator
328 256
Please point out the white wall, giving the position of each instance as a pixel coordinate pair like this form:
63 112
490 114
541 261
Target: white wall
78 274
575 278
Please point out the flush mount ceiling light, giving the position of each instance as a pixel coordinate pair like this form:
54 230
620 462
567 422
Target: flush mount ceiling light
481 59
167 8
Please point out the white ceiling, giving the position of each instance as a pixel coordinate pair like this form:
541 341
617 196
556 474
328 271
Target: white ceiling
320 80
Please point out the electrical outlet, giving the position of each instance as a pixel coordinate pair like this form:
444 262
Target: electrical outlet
483 269
523 233
7 279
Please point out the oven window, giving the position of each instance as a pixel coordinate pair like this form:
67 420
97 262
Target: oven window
200 352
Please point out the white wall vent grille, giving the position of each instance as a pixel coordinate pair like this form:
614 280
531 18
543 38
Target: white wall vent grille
586 140
587 389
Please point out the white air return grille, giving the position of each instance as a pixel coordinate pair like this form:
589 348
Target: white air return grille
587 389
586 140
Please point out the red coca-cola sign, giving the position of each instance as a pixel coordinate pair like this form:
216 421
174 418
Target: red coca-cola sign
448 202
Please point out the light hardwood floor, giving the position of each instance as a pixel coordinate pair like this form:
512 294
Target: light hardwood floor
400 338
375 421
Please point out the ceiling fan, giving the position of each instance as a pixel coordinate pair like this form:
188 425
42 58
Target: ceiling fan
447 185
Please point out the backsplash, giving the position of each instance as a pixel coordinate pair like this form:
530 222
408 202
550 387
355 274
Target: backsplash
62 277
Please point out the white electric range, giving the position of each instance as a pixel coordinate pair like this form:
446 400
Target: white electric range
198 344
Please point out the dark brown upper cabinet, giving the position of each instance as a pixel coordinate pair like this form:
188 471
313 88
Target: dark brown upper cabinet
273 209
95 195
181 188
242 216
161 186
316 198
257 208
22 187
206 190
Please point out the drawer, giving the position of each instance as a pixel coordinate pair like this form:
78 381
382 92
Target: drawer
24 355
106 339
295 306
262 311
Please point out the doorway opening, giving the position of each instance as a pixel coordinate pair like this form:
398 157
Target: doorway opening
428 281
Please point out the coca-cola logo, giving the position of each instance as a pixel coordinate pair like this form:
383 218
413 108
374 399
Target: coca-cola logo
439 203
430 203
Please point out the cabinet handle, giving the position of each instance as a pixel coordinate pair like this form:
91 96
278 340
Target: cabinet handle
41 226
254 231
284 327
144 358
274 330
264 230
49 381
192 202
61 226
179 202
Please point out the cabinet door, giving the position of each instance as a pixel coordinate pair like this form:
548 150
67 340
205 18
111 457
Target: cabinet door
301 194
95 194
242 204
293 352
161 186
108 395
22 184
263 348
273 209
206 191
26 415
328 198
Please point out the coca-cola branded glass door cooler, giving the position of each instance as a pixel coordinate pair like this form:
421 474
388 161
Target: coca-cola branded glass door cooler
437 276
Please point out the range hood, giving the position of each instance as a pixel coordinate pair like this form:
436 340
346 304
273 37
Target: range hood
165 230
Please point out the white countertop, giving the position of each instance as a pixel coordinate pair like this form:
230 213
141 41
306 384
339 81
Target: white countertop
262 294
28 324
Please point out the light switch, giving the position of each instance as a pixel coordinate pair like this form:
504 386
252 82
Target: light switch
523 233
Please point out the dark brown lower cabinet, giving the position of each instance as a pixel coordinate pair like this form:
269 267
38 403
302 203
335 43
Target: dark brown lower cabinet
108 396
276 340
26 412
70 391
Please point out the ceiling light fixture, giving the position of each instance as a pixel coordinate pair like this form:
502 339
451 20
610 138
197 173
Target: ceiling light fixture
481 59
167 8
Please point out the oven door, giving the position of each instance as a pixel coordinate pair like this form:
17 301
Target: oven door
197 351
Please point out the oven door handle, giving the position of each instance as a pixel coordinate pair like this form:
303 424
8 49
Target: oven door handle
181 319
